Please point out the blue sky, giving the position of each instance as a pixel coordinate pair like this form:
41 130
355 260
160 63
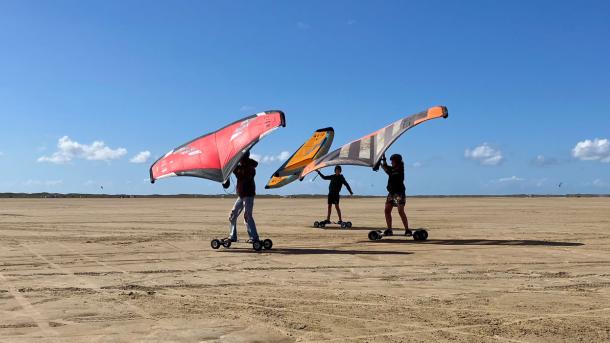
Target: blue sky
527 85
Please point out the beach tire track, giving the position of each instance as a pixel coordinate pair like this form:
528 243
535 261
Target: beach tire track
28 308
89 284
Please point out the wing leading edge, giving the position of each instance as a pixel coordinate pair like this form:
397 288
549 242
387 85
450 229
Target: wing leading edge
317 145
214 156
368 150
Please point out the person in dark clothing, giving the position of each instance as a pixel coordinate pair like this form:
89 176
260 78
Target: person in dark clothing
337 181
396 192
246 191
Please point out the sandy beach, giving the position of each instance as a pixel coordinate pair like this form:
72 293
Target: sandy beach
142 270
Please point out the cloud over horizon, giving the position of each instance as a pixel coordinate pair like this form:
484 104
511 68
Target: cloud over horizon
485 155
141 157
543 161
511 179
67 150
592 150
281 157
45 183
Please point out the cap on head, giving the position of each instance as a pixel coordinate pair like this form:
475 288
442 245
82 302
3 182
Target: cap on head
396 158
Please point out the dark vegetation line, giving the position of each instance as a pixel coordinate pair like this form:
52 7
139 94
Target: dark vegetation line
293 196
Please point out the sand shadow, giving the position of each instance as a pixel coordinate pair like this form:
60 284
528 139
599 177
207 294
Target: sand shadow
515 242
353 228
315 251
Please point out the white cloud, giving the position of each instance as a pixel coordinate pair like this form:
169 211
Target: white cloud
600 183
543 161
303 26
1 153
511 179
543 181
592 150
351 22
38 183
485 155
283 156
67 150
141 157
417 165
245 108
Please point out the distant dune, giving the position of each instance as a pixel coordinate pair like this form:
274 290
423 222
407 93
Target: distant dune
294 196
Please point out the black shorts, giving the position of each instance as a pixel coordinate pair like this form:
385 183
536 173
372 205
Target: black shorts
396 199
333 199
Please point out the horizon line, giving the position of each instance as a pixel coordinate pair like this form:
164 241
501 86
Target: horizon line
8 195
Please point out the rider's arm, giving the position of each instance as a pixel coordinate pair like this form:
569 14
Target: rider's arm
347 185
323 176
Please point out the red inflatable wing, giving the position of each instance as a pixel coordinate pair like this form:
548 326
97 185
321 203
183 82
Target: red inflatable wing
215 155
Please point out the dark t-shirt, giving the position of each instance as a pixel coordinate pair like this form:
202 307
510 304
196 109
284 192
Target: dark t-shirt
336 183
396 179
245 172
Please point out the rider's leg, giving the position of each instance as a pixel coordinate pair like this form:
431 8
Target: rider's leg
249 218
235 212
388 214
338 212
403 216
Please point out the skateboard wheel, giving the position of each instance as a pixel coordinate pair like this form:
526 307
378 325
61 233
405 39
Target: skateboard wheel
215 244
316 224
417 235
267 244
423 235
349 224
374 235
258 245
343 225
226 243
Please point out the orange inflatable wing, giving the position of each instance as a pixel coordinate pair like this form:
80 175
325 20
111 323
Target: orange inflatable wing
317 145
280 181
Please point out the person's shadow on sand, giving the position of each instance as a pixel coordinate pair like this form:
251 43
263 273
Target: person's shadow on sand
515 242
315 251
